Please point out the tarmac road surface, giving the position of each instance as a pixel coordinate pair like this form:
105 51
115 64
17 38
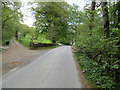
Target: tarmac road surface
55 69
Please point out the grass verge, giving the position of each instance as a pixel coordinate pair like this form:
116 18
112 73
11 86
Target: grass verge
24 43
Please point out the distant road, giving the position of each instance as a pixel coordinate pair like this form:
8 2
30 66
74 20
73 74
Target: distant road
55 69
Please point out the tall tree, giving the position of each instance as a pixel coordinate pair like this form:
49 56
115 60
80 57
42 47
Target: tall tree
92 15
9 10
52 19
11 16
114 14
74 20
105 18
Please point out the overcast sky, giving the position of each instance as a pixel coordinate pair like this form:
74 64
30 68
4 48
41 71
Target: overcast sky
28 17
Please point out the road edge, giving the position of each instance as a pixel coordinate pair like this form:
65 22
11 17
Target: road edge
81 75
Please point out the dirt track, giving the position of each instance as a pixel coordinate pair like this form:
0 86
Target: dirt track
17 56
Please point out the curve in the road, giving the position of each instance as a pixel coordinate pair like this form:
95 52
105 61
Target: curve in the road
55 69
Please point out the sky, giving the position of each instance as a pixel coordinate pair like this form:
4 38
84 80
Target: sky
28 18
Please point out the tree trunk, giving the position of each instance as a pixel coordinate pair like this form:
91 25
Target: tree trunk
16 35
92 16
93 5
53 41
105 18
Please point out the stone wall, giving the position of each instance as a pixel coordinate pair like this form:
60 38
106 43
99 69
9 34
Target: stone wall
34 44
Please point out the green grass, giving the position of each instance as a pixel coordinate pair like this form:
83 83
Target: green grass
26 40
41 39
26 44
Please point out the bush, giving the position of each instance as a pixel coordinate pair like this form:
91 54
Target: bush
94 72
99 56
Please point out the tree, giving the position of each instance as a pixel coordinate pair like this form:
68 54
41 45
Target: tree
115 15
52 19
105 19
25 29
74 20
92 15
115 26
100 50
10 19
9 10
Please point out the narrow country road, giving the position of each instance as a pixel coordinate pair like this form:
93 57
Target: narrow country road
55 69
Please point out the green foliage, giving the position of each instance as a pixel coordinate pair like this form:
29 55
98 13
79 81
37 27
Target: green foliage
94 72
99 56
10 19
52 20
24 30
26 40
25 43
114 14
